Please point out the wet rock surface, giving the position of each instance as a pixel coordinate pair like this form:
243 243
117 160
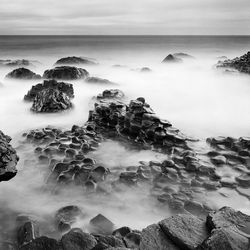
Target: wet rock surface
241 64
23 73
74 60
8 158
65 73
172 59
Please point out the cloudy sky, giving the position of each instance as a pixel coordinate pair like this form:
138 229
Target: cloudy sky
132 17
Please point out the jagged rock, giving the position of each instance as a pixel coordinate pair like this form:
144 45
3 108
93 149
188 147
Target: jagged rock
73 60
101 225
186 231
66 88
153 237
51 100
76 239
65 217
171 59
242 63
94 79
8 158
66 73
42 243
23 73
111 94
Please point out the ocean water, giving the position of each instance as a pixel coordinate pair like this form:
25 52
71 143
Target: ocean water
198 99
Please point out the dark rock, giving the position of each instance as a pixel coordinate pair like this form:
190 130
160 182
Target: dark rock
73 60
111 94
153 237
51 100
8 158
186 231
105 241
66 73
66 88
132 240
23 73
101 225
76 239
122 232
171 59
94 79
42 243
242 63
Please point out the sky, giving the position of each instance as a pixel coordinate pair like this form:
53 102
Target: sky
125 17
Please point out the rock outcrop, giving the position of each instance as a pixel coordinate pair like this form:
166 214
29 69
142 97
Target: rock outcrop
23 73
241 64
171 59
8 158
65 73
74 60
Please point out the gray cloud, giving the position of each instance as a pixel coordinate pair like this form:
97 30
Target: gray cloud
125 17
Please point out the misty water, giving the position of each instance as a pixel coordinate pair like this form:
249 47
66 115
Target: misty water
198 99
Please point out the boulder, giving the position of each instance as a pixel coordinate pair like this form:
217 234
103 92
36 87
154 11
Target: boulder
74 60
51 100
23 73
110 94
186 231
132 240
94 79
66 73
101 225
171 59
66 88
76 239
105 241
242 63
8 158
153 237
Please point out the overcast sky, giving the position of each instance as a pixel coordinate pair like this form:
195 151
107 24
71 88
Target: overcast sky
131 17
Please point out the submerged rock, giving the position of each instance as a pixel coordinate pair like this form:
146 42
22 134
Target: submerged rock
66 88
66 73
242 63
23 73
171 59
73 60
98 80
8 158
51 100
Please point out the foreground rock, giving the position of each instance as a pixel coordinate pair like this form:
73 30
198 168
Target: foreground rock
242 63
23 73
8 158
98 80
65 73
66 88
73 60
172 59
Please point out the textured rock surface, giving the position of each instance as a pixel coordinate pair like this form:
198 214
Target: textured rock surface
8 158
23 73
65 73
74 60
110 94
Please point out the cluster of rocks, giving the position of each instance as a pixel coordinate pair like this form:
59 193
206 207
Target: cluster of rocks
221 230
8 158
50 96
73 60
15 63
23 73
242 63
66 73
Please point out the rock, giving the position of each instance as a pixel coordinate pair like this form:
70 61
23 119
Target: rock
132 240
186 231
171 59
15 63
23 73
94 79
66 88
76 239
65 217
110 94
105 241
8 158
225 239
122 232
51 100
153 237
242 63
228 217
74 60
243 180
66 73
42 243
219 160
101 225
183 55
145 69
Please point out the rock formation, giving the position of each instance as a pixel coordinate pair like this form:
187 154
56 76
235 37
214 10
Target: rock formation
23 73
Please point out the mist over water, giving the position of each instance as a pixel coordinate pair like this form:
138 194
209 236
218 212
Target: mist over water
198 99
